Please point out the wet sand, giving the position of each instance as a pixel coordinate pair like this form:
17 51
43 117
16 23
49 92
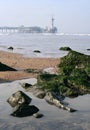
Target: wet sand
54 118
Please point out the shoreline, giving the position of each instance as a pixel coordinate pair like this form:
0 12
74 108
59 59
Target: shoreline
21 63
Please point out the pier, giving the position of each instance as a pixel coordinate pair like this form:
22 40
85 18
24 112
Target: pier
34 29
21 29
7 29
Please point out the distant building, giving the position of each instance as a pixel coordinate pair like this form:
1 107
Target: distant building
53 29
34 29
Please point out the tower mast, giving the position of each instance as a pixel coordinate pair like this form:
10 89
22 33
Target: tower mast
52 22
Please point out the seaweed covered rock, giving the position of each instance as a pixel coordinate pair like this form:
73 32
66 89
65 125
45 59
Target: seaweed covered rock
73 78
75 64
75 67
75 60
65 48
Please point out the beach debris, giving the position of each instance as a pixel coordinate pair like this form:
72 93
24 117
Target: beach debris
4 67
20 103
51 97
38 115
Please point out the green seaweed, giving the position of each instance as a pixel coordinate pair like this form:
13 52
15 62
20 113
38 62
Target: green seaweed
73 78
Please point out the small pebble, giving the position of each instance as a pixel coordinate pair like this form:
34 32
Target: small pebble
38 115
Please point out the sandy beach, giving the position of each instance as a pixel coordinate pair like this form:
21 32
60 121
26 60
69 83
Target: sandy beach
54 118
21 63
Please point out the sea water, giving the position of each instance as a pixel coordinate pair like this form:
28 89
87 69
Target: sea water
47 44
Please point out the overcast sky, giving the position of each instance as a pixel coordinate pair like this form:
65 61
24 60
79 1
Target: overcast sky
71 16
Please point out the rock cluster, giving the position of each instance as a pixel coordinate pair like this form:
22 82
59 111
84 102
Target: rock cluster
21 108
56 99
51 97
72 80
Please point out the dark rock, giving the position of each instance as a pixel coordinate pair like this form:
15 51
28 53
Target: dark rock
25 110
38 115
39 93
65 48
88 49
68 109
52 97
16 107
20 103
72 110
10 48
26 85
18 98
37 51
4 67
